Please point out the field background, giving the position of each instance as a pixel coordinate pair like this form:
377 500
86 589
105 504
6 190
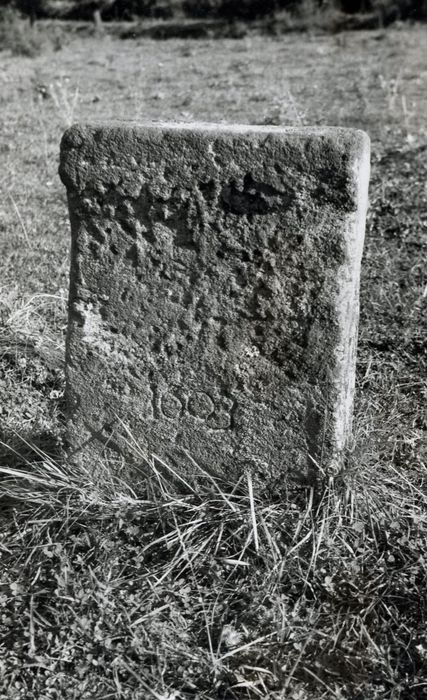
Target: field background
376 81
373 80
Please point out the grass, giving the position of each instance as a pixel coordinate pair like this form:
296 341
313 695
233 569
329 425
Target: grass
18 37
203 590
140 585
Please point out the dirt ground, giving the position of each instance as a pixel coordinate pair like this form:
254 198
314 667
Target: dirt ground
375 80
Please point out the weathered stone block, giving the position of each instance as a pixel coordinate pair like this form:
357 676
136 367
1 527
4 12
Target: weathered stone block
214 293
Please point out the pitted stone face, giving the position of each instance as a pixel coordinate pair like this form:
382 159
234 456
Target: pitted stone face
214 293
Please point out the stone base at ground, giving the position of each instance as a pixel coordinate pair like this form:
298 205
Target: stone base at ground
214 294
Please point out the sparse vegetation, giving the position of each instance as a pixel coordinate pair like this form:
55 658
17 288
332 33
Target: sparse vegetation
18 36
118 585
243 10
163 589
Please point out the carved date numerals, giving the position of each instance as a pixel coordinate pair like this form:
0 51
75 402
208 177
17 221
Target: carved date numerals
174 405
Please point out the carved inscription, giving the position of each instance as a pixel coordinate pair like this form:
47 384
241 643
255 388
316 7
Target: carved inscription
175 404
200 405
171 406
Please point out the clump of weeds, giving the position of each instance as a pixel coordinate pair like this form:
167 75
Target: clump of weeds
148 582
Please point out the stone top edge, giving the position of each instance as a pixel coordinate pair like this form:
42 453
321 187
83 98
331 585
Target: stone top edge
83 143
209 126
346 133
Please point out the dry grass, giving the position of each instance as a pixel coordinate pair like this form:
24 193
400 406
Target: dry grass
147 587
201 589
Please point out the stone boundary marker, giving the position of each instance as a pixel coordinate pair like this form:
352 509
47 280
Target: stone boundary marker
214 294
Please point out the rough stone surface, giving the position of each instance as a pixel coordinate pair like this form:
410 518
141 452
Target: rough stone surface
214 293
